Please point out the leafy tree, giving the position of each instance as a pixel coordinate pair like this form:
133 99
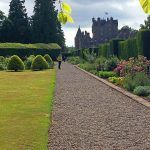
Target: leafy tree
18 16
2 17
60 36
44 22
146 23
6 31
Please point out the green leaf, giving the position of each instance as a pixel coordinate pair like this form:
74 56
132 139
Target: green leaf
145 5
66 8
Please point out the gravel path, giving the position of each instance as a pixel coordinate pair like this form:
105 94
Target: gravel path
88 115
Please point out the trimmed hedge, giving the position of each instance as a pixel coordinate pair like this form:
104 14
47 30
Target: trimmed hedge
25 50
114 47
104 50
143 43
128 48
15 64
39 63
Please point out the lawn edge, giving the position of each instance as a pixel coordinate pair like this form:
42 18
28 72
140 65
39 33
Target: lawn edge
119 89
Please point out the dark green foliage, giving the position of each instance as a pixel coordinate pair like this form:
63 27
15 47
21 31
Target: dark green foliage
128 49
20 24
2 63
114 47
49 61
107 74
6 31
25 50
39 63
143 43
2 17
142 90
28 61
139 79
146 24
45 26
104 50
15 64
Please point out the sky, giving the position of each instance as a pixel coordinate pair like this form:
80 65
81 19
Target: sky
128 12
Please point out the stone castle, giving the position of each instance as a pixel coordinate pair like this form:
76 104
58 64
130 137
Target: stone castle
103 30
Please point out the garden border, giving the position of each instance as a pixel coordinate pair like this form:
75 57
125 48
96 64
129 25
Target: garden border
119 89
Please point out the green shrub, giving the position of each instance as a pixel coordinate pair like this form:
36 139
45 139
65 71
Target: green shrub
2 63
142 90
93 72
49 61
29 61
107 74
2 59
75 60
139 79
99 63
2 67
88 67
116 80
39 63
111 64
15 64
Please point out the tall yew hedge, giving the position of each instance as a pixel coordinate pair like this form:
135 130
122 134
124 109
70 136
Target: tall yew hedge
143 43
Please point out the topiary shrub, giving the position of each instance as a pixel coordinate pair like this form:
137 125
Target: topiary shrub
28 61
39 63
2 63
142 90
2 59
49 61
15 64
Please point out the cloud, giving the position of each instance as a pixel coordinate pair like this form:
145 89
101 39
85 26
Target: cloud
128 12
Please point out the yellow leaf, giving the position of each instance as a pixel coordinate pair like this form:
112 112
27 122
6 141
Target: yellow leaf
62 17
70 19
145 5
66 8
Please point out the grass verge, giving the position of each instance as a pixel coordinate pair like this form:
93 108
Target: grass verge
25 109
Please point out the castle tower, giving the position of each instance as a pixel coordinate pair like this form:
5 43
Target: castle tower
104 30
78 39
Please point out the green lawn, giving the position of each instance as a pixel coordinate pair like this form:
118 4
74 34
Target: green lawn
25 109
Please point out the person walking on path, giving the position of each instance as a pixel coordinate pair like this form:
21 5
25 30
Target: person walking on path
59 59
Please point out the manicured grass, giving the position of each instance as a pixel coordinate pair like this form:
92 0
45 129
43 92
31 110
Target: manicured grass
25 109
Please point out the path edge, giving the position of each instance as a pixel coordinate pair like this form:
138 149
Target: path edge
119 89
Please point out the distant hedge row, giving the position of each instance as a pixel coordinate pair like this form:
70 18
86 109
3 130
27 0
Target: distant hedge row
123 49
128 48
25 50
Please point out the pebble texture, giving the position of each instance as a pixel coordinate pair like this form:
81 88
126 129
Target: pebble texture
89 115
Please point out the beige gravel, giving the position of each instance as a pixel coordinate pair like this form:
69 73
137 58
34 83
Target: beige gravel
89 115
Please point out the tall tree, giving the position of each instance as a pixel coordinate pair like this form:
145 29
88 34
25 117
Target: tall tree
146 24
45 25
20 22
2 17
